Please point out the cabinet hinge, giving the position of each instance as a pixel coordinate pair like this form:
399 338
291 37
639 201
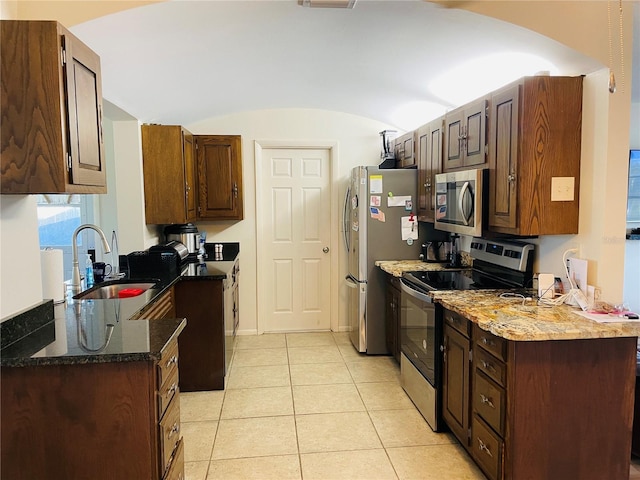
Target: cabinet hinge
470 355
69 162
63 50
468 434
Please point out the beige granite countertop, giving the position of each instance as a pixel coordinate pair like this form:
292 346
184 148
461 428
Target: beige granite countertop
511 319
397 267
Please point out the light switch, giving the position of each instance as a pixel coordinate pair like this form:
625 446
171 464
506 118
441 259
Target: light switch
562 189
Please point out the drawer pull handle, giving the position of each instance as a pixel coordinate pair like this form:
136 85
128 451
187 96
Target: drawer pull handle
173 360
175 428
483 448
172 390
489 342
488 366
487 400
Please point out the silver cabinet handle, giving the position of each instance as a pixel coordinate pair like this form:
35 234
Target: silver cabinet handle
487 341
325 249
487 401
487 366
483 448
171 361
175 428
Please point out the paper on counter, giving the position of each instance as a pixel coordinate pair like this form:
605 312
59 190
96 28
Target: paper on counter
606 318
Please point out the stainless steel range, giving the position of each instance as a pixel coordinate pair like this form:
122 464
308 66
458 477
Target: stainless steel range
496 264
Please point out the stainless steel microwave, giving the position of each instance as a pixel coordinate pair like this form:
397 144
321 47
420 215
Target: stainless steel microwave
460 201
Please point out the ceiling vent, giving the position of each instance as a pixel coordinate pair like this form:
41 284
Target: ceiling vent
327 3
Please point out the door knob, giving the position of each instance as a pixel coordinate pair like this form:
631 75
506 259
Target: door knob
325 249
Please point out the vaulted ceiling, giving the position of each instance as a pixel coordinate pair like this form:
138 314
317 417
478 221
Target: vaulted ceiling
183 61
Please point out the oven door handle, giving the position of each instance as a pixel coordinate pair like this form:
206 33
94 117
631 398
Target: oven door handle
414 293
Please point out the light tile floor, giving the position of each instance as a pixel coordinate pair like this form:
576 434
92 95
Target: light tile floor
309 406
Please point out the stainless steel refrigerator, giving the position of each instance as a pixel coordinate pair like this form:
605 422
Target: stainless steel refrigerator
375 203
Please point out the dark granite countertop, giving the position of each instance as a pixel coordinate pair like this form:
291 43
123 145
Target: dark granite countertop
98 331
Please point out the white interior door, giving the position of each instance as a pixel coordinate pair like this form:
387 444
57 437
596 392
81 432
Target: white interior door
294 252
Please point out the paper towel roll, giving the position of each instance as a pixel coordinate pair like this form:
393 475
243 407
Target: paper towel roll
52 274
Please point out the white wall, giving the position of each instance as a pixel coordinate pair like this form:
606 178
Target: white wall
358 144
20 279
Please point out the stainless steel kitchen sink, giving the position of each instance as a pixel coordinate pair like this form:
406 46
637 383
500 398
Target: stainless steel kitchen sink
116 289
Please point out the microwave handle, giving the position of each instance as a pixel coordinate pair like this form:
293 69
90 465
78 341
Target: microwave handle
463 192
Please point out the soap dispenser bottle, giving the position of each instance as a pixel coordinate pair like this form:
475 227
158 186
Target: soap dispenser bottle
88 272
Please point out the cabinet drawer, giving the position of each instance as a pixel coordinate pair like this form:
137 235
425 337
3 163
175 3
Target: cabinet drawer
168 391
489 402
176 468
168 364
458 322
491 366
487 449
169 433
495 345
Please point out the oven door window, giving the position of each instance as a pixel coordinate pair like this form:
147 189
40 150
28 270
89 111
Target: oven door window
418 335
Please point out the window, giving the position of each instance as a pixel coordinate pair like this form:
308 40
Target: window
633 201
58 217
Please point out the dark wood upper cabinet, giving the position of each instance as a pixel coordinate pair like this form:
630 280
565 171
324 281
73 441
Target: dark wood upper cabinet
51 130
465 136
428 148
535 131
168 159
219 167
404 151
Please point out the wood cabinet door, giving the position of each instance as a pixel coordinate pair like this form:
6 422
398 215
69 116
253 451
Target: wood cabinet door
191 192
475 133
392 314
455 383
428 143
503 158
85 151
165 168
51 128
219 177
422 152
453 139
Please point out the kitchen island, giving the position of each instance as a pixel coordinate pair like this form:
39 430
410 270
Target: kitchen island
90 387
534 391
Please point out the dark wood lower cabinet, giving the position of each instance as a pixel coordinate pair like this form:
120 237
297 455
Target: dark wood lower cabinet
392 316
211 308
541 409
95 421
202 361
455 375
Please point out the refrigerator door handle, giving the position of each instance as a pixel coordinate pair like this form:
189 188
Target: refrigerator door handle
345 218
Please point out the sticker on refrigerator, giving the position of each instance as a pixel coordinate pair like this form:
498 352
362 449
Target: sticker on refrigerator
409 227
375 184
375 200
377 214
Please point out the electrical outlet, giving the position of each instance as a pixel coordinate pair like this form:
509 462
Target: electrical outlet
597 293
575 246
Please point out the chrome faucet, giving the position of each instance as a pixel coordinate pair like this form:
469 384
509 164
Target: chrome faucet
75 278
